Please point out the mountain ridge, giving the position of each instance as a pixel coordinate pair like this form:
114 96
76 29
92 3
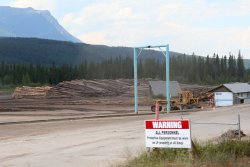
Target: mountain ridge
28 22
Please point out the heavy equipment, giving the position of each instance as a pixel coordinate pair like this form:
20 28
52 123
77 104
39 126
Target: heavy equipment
185 100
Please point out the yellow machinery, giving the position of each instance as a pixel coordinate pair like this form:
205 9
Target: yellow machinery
185 100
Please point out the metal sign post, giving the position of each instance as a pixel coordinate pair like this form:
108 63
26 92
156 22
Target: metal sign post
136 55
239 130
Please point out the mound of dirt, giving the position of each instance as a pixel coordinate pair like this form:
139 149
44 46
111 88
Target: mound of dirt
232 134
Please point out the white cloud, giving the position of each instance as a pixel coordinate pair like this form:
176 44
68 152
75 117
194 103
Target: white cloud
199 26
205 41
107 22
94 37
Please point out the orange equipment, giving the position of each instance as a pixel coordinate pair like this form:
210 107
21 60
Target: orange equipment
185 100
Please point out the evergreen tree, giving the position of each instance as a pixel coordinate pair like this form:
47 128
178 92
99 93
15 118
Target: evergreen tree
240 67
26 79
183 68
231 66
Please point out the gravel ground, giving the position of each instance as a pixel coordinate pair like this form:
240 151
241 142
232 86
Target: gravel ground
100 142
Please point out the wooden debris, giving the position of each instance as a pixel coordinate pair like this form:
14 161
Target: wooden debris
98 91
198 90
96 88
30 92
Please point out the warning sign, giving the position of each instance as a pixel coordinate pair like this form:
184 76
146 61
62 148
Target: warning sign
168 133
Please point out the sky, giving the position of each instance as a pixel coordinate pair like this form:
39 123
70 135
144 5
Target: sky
202 27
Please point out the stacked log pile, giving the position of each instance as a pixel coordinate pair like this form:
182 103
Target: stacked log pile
30 92
85 89
198 90
94 88
91 89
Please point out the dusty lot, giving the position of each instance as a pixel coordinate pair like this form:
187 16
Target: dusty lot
100 141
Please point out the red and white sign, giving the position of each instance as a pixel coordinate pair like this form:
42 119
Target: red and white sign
168 133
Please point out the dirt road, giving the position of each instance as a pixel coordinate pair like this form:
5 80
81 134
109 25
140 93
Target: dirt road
99 142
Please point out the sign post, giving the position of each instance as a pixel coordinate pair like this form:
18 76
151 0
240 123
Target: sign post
168 134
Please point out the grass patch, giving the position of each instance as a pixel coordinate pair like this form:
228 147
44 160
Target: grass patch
7 88
160 96
226 153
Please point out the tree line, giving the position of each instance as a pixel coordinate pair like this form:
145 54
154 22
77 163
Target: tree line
209 70
183 68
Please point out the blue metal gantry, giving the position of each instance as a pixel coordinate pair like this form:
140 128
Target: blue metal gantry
166 54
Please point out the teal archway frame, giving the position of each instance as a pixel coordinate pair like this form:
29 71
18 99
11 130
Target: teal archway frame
166 54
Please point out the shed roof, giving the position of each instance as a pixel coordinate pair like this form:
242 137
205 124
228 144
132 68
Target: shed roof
238 87
159 88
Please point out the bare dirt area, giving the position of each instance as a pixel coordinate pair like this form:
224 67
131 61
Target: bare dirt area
72 99
77 99
100 141
69 112
89 124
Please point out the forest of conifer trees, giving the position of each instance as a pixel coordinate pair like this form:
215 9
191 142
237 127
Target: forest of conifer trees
185 69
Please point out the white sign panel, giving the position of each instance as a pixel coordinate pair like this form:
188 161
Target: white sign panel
167 133
223 98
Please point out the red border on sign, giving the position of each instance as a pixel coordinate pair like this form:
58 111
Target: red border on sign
166 124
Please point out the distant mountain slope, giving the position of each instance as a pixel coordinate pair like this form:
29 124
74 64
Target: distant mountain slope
46 52
27 22
41 51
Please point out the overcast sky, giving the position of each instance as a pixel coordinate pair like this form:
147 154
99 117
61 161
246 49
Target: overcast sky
199 26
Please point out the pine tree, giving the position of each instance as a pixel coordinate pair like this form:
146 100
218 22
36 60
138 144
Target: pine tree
231 66
26 79
240 67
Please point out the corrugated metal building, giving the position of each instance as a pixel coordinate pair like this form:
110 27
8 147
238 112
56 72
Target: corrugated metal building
241 91
158 88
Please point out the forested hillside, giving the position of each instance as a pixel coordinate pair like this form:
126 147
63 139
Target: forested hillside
185 69
37 61
46 52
